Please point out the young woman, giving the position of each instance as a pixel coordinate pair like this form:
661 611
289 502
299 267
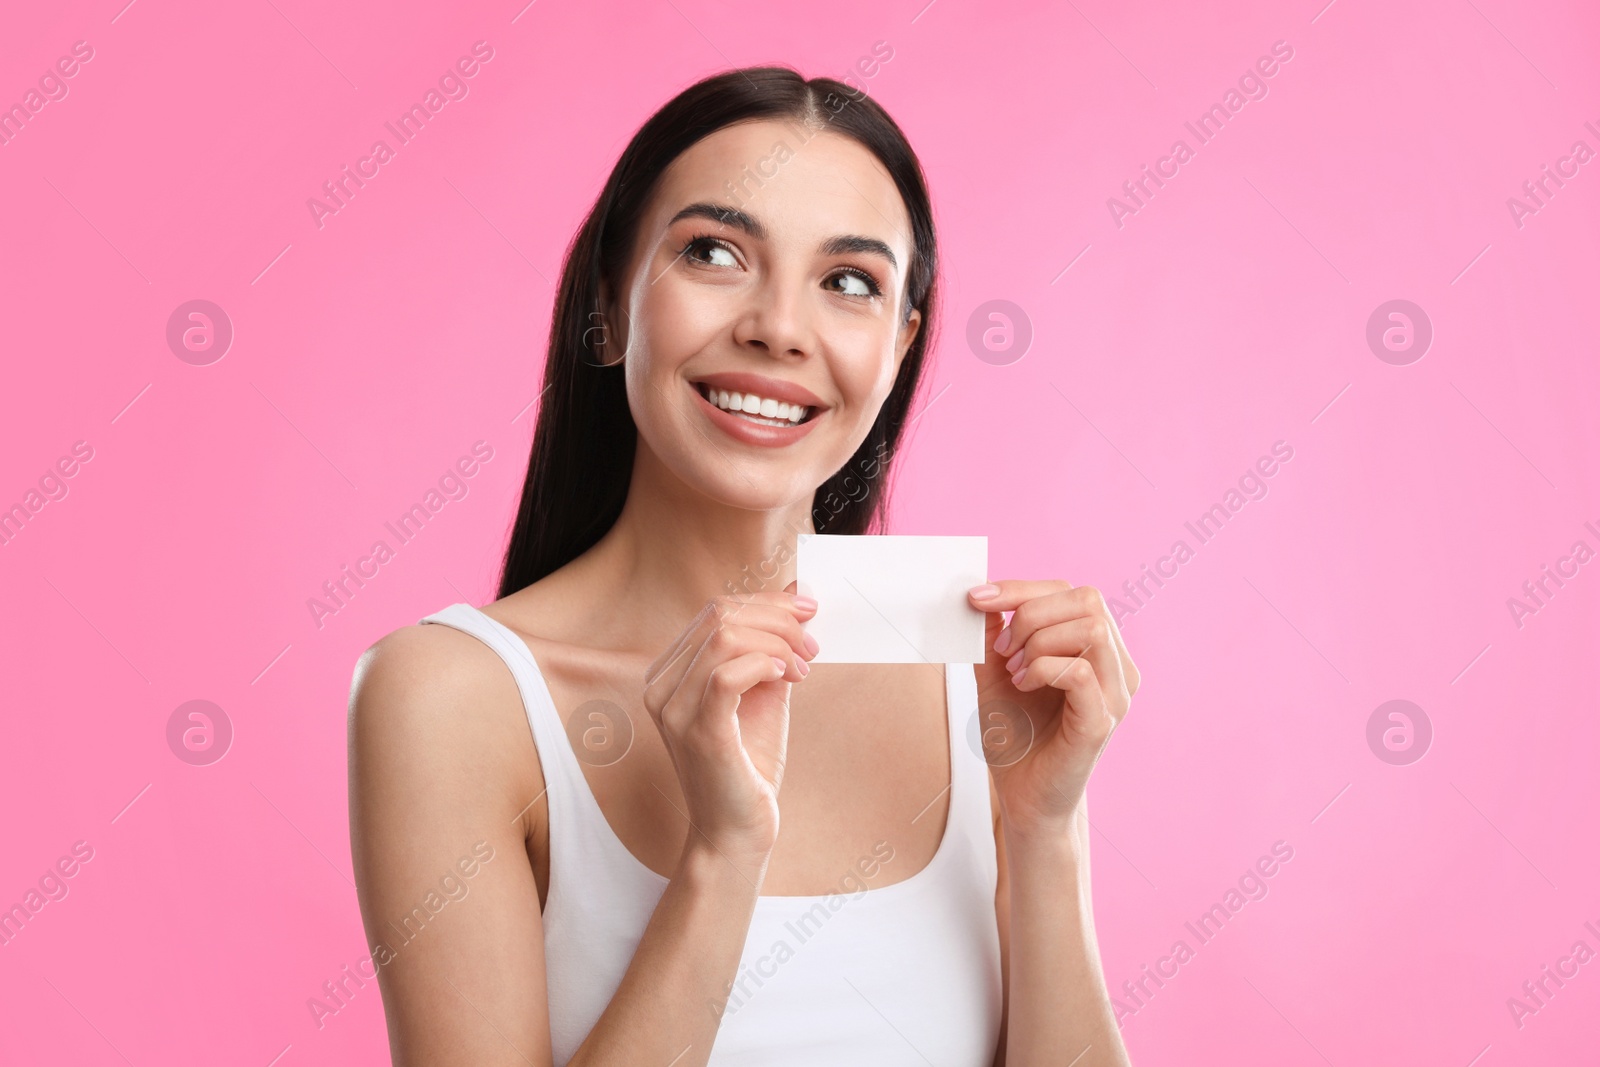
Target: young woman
565 806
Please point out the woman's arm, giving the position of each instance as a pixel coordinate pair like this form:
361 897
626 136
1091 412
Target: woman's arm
687 957
432 774
1057 990
1055 681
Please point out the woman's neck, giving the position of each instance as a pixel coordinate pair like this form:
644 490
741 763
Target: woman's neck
670 551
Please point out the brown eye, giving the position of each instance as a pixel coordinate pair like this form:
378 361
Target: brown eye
858 283
710 246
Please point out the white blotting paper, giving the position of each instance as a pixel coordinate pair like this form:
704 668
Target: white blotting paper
893 598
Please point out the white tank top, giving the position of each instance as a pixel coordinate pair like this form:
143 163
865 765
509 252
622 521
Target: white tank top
906 973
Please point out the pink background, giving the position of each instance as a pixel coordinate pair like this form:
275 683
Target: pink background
1229 313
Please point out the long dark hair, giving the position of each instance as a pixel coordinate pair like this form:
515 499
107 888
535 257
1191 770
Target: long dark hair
583 444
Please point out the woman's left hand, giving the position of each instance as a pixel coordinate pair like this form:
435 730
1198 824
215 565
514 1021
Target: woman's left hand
1049 696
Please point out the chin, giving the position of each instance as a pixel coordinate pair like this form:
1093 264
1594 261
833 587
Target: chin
754 490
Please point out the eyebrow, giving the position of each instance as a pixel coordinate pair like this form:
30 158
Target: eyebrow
833 246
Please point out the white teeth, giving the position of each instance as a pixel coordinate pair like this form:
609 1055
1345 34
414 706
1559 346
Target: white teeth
777 411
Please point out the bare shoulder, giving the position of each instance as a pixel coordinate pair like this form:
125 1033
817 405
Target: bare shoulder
430 661
429 700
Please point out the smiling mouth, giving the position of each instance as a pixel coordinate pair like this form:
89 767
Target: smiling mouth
763 411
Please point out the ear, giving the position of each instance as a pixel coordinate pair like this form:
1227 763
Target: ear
908 334
613 332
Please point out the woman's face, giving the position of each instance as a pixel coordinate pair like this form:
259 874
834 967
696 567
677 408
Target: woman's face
769 271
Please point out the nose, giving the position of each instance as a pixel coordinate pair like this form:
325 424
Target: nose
777 319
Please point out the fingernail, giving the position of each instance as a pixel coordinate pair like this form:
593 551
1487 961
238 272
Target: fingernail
811 645
805 603
1016 679
782 666
1002 644
1014 662
984 592
803 667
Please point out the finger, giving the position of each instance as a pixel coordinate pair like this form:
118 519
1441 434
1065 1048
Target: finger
671 664
704 709
1060 605
730 680
1012 593
786 624
1098 606
781 639
1001 596
774 610
784 597
1095 603
766 603
993 623
1130 673
1075 677
1088 636
730 641
991 673
666 691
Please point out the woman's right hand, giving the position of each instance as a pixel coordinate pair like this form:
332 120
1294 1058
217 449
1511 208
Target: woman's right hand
720 697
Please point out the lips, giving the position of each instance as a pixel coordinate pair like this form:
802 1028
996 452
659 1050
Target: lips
762 386
755 406
744 429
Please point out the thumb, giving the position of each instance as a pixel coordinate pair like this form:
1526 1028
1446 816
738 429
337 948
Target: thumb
992 673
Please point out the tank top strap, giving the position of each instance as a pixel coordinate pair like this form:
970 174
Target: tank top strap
970 809
599 894
562 776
